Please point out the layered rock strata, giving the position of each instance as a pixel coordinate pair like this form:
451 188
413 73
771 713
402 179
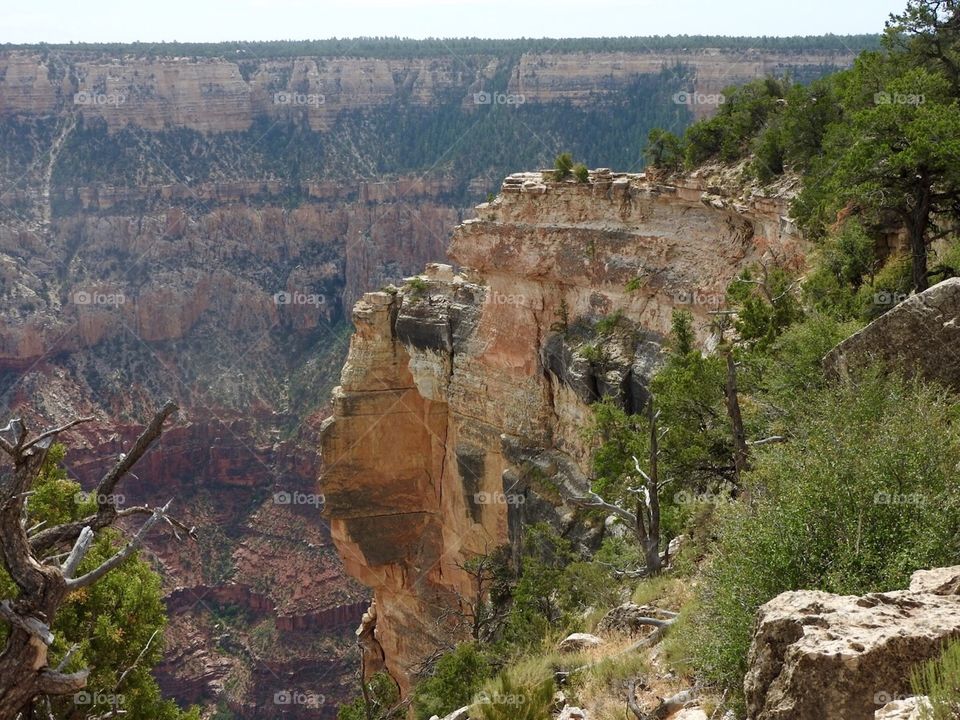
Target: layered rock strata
454 374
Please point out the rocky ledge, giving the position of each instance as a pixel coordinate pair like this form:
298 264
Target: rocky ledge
817 656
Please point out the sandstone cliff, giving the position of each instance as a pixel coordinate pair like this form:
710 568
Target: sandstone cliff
447 372
223 94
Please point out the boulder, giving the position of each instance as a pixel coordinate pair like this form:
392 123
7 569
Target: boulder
693 713
578 642
906 709
920 336
939 581
461 714
818 656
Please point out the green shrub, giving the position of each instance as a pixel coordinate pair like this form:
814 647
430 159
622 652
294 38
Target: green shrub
581 172
592 353
608 323
515 697
862 495
663 150
846 261
384 701
768 154
939 680
634 284
792 367
417 286
890 286
563 166
766 304
456 679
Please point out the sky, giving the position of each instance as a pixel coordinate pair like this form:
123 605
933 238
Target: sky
61 21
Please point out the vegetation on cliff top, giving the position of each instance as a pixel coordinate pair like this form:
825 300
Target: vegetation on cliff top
393 47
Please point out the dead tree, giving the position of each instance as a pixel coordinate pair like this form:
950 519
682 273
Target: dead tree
480 611
42 582
644 518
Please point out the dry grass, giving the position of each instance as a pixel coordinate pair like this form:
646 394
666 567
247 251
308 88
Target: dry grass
664 591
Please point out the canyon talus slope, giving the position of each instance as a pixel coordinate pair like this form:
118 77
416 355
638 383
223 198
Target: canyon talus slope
453 369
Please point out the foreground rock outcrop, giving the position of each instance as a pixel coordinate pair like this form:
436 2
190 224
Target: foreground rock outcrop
920 336
451 376
818 656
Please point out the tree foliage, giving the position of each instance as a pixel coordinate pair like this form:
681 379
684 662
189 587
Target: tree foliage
860 497
109 623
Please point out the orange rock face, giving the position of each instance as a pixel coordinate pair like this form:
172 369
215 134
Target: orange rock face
441 371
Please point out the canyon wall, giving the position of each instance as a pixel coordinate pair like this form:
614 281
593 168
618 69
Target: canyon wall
223 94
448 372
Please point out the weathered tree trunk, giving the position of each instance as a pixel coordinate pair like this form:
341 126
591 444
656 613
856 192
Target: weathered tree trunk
651 545
741 454
918 221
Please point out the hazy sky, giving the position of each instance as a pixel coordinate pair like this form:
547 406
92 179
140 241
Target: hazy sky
216 20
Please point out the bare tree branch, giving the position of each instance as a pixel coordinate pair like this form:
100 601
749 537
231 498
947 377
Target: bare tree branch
128 550
29 624
106 508
133 665
78 552
50 434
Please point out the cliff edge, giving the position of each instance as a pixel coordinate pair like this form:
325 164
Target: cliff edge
447 370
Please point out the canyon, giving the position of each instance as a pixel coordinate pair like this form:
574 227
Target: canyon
198 228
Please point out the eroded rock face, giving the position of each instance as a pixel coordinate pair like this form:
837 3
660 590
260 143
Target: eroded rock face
224 94
920 336
818 656
455 380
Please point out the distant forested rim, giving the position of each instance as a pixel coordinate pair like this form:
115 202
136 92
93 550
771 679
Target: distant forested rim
387 47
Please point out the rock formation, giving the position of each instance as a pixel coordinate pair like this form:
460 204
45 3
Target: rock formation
920 336
818 656
452 374
225 94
